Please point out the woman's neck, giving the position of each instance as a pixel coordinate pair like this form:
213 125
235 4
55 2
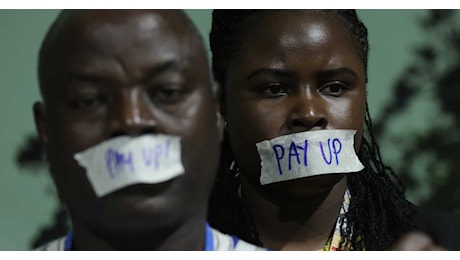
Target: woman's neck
294 224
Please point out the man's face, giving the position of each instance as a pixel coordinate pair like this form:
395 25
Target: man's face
129 73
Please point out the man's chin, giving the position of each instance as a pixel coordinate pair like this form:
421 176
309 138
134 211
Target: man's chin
141 190
134 207
137 214
143 199
130 230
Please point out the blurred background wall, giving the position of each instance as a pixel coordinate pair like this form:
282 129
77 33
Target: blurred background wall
413 74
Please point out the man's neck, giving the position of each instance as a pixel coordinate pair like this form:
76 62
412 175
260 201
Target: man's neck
189 237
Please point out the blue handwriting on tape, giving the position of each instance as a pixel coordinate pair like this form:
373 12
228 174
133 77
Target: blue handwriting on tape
123 161
298 153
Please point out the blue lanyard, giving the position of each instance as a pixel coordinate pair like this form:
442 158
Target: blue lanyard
209 243
208 246
68 241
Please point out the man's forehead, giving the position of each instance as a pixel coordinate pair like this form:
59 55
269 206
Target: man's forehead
107 22
121 33
132 35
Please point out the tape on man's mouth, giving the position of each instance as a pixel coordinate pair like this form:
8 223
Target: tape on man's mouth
123 161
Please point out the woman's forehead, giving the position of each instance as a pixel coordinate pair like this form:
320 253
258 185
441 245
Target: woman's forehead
314 26
301 38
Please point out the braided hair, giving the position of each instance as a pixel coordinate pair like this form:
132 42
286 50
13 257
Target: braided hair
378 213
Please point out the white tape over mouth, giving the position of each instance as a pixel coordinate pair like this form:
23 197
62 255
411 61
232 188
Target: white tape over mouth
307 154
123 161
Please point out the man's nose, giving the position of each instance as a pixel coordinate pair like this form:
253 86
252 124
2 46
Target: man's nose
131 114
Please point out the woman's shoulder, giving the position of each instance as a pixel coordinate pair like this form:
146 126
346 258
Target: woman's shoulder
442 226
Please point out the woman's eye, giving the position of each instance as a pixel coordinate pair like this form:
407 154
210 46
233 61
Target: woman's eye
335 88
274 90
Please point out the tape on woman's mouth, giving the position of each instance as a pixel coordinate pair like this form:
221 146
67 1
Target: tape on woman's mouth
308 154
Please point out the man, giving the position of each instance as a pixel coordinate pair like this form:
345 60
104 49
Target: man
119 84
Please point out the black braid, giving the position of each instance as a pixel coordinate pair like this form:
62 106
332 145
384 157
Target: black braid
378 212
234 218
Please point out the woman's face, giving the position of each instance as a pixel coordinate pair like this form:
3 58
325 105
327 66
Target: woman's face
295 72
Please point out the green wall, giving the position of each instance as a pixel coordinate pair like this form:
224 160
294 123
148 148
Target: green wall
27 198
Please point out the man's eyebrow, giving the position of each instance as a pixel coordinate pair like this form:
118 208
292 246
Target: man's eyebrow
150 73
271 72
335 72
88 78
171 65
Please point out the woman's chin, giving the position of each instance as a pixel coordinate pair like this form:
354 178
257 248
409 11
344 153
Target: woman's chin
304 188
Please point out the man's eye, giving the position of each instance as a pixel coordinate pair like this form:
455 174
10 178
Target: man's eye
335 88
167 94
274 90
88 102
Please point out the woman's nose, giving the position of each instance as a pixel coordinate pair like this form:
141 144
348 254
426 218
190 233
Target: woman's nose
308 112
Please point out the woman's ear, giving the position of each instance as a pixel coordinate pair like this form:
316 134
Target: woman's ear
219 94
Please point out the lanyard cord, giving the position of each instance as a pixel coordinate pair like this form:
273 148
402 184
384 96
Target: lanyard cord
209 241
68 241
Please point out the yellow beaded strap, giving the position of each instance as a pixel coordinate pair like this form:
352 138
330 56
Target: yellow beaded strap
333 243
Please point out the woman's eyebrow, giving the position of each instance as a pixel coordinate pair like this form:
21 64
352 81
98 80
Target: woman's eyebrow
288 74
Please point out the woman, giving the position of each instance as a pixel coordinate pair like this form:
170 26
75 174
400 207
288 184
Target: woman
291 71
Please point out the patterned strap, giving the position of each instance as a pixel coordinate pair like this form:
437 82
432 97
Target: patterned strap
333 243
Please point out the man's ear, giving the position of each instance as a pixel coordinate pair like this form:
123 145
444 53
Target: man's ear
41 121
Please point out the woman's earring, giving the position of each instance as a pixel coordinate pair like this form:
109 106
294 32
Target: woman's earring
220 121
220 124
232 165
232 168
